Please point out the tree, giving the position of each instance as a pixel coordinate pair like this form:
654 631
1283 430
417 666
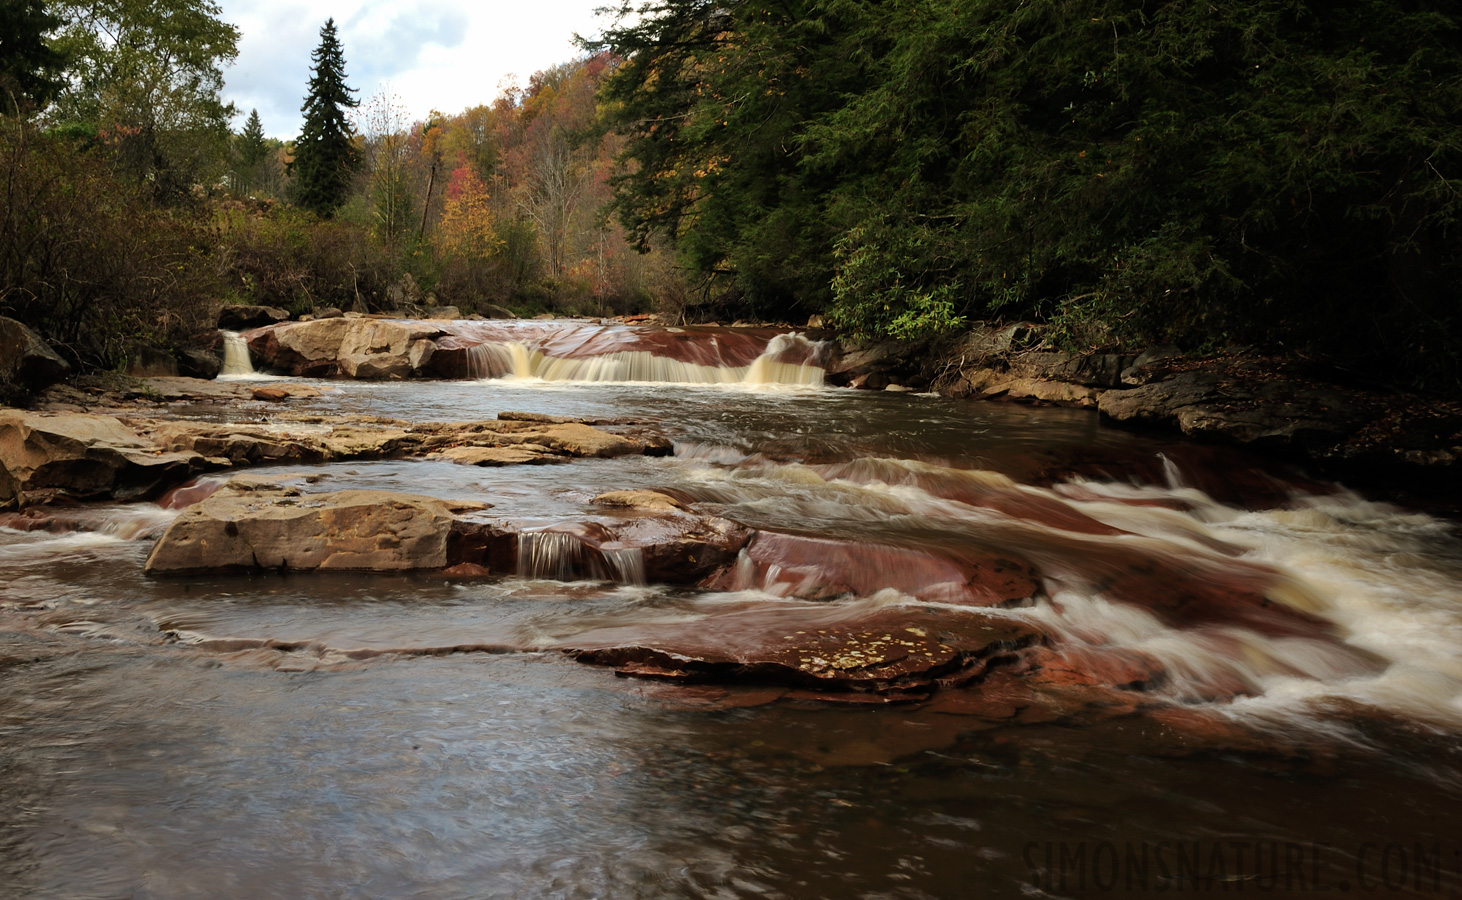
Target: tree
146 76
1233 170
326 156
29 67
252 149
392 198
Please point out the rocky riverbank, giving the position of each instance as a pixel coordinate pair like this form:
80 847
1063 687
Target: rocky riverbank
1342 424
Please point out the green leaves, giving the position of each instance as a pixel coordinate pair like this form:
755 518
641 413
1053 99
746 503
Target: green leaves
1256 168
147 74
326 157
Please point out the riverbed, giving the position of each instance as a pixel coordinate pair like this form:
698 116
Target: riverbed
327 735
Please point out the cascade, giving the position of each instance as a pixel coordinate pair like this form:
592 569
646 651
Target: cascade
587 352
236 360
548 554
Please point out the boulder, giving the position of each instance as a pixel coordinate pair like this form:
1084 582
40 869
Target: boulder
1136 373
243 318
267 526
301 348
353 347
150 362
195 363
77 455
374 349
27 363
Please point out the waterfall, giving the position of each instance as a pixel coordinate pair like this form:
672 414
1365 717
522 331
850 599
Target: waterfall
563 557
236 360
786 360
548 554
626 564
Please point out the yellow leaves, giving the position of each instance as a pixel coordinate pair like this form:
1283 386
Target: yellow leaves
467 227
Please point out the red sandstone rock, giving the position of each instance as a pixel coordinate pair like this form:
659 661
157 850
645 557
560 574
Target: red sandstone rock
822 568
902 651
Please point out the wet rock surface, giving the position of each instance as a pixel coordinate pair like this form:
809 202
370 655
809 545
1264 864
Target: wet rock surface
900 654
812 568
251 525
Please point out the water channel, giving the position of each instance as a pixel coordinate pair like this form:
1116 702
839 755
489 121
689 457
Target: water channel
311 735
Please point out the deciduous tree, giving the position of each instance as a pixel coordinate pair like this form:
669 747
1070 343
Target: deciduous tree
146 75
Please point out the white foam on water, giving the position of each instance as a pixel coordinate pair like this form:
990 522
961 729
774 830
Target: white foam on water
521 362
238 364
1389 581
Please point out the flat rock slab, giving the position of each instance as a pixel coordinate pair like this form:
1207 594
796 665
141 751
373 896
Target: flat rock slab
46 456
902 650
317 439
257 525
526 455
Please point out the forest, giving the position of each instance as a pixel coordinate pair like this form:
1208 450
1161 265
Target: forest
1273 173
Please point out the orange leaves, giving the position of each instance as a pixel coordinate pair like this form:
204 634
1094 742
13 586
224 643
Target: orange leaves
467 228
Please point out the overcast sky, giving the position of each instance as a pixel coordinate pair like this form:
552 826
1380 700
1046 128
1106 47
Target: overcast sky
434 54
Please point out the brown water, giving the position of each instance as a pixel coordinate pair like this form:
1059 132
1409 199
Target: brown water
391 736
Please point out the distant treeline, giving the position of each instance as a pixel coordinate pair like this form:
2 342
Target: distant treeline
132 207
1268 172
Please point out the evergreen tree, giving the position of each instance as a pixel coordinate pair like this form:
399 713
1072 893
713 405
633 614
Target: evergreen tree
251 142
250 149
325 155
1233 170
28 65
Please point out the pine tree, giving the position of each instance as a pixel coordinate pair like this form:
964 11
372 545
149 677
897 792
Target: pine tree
251 142
250 150
29 67
325 155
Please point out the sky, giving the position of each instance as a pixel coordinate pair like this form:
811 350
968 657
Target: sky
442 54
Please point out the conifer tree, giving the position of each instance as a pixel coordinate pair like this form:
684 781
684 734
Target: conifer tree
250 149
29 66
325 155
251 141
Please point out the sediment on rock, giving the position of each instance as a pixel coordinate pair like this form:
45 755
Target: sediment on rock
902 653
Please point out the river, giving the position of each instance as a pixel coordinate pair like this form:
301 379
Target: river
311 735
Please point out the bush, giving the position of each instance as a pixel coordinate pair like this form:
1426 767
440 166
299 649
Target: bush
276 255
87 261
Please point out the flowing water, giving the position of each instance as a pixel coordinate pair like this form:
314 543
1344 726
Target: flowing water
413 736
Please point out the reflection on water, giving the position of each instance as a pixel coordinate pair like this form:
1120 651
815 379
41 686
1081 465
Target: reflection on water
411 736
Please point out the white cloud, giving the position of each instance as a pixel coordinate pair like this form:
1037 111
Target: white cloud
434 54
